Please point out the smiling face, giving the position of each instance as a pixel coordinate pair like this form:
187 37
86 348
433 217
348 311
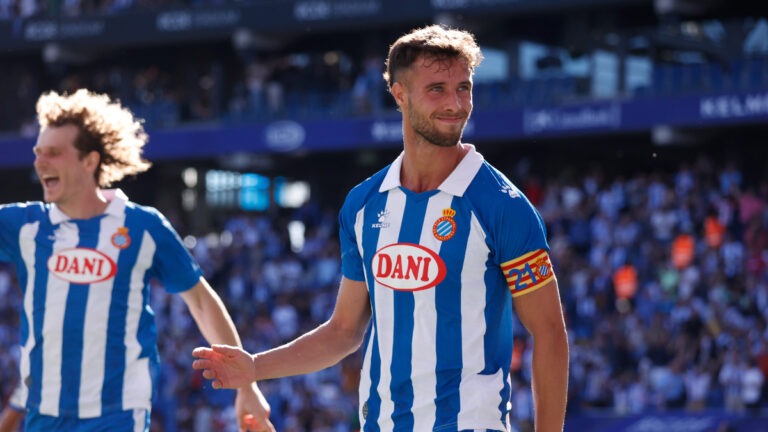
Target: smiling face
66 176
435 96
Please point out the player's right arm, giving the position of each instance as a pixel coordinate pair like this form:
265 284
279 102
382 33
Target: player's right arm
326 345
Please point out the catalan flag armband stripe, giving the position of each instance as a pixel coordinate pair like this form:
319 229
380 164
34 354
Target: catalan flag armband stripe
528 272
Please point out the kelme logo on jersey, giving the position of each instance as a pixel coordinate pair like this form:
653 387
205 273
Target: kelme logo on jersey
445 227
381 216
408 267
82 266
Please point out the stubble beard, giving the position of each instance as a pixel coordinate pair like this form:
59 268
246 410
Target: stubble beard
422 126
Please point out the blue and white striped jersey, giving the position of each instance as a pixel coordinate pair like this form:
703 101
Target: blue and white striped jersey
87 331
441 267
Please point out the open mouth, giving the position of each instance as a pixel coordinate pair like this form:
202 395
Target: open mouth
50 181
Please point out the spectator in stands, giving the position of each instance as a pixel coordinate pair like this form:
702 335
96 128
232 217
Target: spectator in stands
502 248
86 356
752 381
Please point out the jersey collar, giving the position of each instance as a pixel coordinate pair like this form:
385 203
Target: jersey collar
116 198
456 183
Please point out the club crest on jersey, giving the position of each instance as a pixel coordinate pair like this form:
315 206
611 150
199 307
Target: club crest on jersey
445 227
408 267
121 239
382 219
81 266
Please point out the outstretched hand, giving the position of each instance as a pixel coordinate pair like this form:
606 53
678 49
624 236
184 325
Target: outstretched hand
252 410
226 366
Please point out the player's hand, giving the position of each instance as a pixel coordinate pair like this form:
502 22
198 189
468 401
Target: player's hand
226 366
252 410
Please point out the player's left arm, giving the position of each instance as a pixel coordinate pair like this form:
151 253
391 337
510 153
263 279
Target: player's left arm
209 313
217 327
11 418
13 413
541 313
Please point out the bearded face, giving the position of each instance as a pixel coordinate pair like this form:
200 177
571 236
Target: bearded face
438 100
429 126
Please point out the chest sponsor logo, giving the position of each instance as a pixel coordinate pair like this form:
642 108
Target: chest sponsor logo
82 266
408 267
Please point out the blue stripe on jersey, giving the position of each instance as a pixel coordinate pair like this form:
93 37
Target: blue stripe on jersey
401 386
497 336
74 323
147 335
370 217
42 252
498 333
114 360
448 300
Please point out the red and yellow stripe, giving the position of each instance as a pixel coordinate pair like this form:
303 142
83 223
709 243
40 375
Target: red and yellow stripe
528 272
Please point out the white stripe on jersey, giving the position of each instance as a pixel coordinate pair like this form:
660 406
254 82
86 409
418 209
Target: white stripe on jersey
28 231
140 420
57 291
474 409
18 398
365 372
424 362
137 391
96 323
385 310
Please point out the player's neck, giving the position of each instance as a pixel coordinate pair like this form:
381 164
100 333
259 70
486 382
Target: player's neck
85 206
426 166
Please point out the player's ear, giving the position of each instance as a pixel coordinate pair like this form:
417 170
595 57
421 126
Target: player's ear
92 160
399 92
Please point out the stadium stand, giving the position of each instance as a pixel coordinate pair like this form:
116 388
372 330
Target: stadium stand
637 128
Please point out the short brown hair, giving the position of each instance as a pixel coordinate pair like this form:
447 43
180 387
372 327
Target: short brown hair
105 127
437 42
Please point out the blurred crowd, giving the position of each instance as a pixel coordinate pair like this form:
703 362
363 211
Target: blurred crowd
663 278
225 83
209 84
217 84
665 286
11 9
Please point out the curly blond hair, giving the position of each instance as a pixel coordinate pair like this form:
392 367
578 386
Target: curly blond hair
436 42
105 126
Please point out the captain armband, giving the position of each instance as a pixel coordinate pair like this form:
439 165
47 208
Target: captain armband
528 272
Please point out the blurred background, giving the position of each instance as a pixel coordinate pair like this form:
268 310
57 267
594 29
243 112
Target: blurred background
638 128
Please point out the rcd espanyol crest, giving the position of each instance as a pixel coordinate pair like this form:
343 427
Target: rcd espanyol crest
121 239
445 227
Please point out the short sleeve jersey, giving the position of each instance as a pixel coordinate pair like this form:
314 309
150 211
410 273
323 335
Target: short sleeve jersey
87 330
441 267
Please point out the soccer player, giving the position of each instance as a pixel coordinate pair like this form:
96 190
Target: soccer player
84 258
436 248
